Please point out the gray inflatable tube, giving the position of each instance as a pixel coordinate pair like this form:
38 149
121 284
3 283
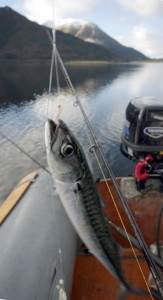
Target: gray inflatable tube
37 246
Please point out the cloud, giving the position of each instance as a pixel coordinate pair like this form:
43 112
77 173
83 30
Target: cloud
45 10
148 41
39 10
145 40
144 7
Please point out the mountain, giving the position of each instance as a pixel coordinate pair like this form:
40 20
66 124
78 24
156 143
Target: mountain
21 39
90 32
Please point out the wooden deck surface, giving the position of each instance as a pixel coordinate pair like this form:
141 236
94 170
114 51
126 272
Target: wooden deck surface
91 280
15 196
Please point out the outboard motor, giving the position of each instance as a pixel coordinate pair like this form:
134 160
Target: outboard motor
143 133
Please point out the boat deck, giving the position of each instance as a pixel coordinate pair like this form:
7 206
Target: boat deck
22 220
91 280
144 207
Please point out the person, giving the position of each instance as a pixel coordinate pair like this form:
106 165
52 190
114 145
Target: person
142 170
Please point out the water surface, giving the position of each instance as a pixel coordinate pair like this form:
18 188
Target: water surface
104 92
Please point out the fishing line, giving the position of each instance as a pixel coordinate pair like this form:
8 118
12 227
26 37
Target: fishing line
158 227
134 242
58 235
23 151
53 52
141 241
119 215
54 59
51 73
138 234
65 74
51 67
93 150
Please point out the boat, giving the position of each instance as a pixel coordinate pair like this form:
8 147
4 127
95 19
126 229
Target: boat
38 243
41 256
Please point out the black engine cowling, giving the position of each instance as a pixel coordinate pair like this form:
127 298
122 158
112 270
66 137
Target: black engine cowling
143 129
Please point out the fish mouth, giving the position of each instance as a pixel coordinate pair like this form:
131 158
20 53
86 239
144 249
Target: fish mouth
53 130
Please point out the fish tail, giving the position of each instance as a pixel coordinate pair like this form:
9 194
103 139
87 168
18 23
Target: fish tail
128 288
123 293
135 290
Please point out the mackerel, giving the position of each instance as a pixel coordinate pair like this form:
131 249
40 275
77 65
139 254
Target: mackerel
79 197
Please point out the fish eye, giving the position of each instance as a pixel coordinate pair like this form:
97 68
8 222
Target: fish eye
67 150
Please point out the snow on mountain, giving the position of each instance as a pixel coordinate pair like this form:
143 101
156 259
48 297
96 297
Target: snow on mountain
90 32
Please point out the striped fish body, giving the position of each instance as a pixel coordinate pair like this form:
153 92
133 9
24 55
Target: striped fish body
83 207
79 196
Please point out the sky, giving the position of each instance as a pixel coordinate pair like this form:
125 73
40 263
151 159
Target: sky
134 23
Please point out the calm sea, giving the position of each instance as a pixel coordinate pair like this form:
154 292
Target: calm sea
104 91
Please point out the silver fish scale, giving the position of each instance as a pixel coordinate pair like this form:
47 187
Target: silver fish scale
93 208
83 206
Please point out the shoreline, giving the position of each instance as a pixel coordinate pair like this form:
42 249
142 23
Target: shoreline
79 62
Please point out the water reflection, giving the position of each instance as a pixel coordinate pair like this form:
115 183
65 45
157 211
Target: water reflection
21 82
104 92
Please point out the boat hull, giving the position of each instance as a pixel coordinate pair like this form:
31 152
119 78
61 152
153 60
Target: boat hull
38 246
38 254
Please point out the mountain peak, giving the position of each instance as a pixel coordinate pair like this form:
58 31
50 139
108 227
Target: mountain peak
7 13
7 9
74 26
22 39
90 32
